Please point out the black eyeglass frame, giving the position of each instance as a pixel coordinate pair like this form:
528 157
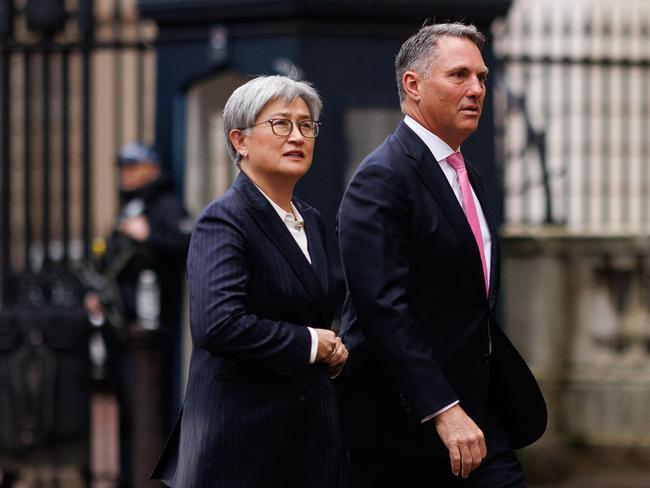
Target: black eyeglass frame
291 124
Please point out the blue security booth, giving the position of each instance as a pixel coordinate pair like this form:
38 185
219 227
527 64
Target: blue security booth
346 48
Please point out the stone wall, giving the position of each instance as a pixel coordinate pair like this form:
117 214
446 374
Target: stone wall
578 308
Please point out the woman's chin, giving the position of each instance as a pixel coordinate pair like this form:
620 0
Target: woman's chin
295 169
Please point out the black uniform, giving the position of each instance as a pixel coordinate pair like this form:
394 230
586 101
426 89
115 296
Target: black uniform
164 252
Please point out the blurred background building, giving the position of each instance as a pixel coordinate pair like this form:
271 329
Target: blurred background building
563 146
573 112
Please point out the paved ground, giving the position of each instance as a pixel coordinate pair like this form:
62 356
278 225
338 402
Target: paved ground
617 479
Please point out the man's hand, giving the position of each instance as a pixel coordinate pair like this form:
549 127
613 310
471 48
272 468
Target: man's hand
137 228
331 350
462 438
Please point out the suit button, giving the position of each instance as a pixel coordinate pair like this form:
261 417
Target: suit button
301 397
486 358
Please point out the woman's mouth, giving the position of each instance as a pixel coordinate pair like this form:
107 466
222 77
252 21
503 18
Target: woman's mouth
294 154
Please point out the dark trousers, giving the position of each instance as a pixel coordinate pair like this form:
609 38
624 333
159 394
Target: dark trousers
500 469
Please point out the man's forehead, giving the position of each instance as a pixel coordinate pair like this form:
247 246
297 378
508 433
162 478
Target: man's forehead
459 51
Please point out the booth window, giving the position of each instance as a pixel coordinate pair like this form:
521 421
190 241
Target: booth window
365 129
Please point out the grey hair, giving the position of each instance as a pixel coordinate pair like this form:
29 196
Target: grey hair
419 52
247 101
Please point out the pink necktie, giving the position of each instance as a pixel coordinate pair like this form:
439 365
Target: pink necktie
457 162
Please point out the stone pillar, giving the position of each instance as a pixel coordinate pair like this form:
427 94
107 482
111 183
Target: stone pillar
578 308
148 402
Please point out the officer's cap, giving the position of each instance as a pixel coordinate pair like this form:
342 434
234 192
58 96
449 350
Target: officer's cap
137 153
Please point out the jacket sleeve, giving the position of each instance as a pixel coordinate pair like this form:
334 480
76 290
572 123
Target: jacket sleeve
218 272
374 237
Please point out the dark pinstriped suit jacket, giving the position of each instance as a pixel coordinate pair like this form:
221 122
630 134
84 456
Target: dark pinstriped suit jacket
255 414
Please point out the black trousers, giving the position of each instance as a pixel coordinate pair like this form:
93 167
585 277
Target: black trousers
500 469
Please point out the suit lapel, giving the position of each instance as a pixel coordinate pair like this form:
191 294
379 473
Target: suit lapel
437 184
315 245
270 224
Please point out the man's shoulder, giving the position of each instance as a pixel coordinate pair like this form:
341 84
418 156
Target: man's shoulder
389 158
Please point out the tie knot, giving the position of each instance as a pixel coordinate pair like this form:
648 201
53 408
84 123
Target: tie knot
456 161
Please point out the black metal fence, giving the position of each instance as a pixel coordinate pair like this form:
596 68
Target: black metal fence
53 61
574 115
76 82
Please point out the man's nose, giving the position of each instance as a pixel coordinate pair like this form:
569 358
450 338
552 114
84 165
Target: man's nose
476 86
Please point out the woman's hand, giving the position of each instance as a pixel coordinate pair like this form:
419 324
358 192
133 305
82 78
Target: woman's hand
339 358
331 350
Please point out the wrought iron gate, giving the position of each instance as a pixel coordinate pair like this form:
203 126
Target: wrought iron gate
574 115
76 81
50 54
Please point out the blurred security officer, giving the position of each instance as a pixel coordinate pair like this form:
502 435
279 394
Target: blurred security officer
149 240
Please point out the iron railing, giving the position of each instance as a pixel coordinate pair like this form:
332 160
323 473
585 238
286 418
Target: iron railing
575 115
52 80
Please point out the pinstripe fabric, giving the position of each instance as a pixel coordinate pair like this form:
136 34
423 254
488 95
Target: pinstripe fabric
255 414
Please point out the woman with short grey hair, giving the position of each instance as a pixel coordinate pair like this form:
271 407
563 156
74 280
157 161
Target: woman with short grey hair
247 101
259 408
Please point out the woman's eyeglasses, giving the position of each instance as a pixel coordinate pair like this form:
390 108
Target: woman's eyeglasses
284 127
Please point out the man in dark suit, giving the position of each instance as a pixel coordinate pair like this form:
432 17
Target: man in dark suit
433 393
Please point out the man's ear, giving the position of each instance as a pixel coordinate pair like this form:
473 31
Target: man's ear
238 140
411 85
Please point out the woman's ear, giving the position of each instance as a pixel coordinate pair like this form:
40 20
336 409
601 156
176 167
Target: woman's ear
238 140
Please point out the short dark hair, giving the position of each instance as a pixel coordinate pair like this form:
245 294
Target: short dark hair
419 52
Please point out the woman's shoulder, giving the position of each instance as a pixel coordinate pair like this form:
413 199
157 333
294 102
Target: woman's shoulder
230 206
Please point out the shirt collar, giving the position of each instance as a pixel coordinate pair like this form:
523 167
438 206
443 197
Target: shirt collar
437 146
294 219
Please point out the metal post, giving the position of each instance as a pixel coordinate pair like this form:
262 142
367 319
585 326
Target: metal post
6 168
148 350
27 155
46 160
86 130
65 154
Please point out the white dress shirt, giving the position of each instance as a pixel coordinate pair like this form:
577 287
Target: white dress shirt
440 151
296 225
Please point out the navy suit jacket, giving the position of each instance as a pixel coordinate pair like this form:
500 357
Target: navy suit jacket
256 413
417 321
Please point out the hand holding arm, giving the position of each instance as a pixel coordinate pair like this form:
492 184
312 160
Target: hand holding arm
462 438
331 350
